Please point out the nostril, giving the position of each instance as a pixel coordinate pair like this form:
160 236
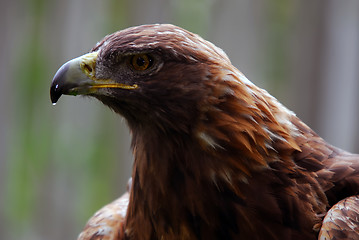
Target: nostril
88 68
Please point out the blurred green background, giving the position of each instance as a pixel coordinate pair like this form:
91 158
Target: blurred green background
58 165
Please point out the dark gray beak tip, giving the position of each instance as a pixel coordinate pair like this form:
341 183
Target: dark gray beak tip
59 85
55 93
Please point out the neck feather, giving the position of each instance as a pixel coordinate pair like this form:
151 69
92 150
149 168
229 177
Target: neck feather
177 175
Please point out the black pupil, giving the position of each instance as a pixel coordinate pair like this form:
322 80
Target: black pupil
140 61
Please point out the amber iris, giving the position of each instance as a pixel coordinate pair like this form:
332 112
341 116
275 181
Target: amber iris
141 62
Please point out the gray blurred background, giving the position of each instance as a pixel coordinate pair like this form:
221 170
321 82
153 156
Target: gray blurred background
58 165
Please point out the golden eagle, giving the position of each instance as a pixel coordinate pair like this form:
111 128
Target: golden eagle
215 157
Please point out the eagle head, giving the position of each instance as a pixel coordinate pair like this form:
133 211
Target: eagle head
154 75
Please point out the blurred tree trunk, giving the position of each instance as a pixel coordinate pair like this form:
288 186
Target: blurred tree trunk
324 69
5 103
339 112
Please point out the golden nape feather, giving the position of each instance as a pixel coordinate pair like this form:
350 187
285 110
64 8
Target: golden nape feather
215 157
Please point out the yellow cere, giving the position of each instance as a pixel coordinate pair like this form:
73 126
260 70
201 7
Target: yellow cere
88 64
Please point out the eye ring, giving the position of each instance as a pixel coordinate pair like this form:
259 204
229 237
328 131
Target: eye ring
141 62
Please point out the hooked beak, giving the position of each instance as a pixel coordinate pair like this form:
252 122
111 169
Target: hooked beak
78 77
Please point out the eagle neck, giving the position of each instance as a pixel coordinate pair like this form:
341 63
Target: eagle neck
172 187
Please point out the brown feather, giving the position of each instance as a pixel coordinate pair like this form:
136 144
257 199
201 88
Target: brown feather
107 223
342 220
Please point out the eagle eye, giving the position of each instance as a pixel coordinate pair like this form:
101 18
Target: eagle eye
141 62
